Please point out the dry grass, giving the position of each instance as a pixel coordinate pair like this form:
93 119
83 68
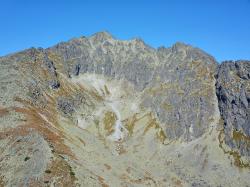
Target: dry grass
3 111
160 135
144 181
61 171
130 124
109 122
176 182
82 141
48 127
102 182
235 154
108 167
2 184
240 137
107 92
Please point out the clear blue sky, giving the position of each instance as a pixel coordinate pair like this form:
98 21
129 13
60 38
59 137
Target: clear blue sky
220 27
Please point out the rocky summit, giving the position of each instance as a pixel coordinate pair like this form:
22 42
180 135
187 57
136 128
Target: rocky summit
97 111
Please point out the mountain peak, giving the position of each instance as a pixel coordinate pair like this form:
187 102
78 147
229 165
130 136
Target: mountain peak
102 36
94 107
179 46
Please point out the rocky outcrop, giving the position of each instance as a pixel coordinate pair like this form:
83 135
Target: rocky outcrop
233 92
178 82
97 111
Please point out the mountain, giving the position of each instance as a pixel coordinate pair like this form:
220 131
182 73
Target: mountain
97 111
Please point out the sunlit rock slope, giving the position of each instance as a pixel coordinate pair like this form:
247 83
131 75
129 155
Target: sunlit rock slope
97 111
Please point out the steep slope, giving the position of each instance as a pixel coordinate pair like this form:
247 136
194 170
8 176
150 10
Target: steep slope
233 91
98 111
167 76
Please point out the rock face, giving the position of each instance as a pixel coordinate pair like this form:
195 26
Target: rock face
173 79
233 92
97 111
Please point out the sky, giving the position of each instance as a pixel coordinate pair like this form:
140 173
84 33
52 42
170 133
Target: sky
219 27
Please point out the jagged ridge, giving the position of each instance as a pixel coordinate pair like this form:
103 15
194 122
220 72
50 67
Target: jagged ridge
64 101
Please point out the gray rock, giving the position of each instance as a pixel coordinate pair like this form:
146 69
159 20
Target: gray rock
177 84
66 106
233 83
186 72
54 84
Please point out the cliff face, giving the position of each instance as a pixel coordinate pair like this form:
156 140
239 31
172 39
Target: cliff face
173 80
233 92
100 111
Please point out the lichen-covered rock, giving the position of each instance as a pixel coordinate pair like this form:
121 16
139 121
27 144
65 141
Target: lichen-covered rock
233 92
